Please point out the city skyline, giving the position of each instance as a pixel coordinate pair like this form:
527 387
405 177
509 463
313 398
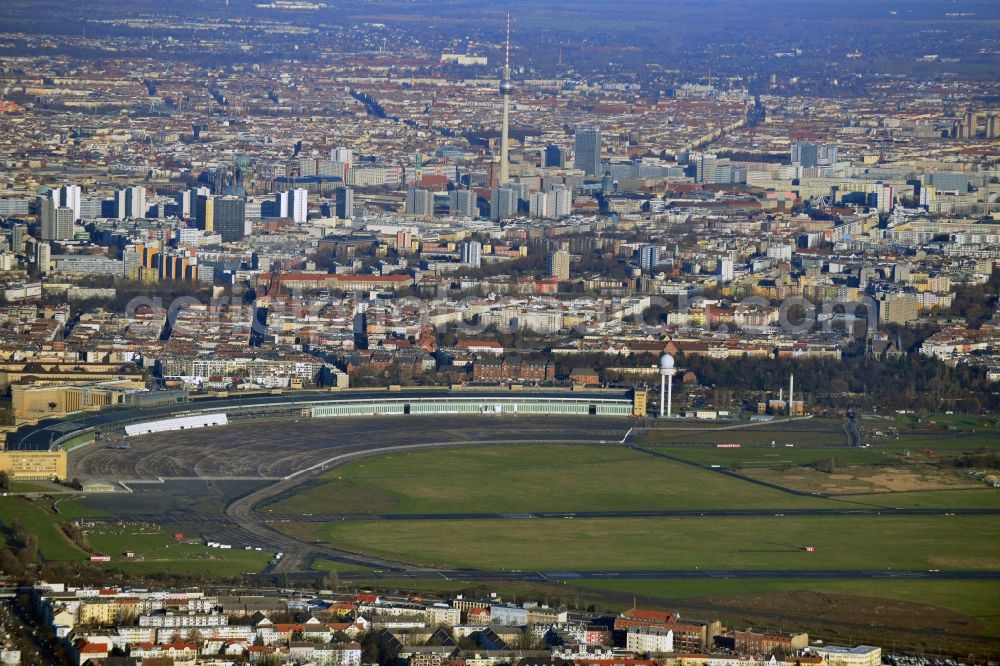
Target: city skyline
395 333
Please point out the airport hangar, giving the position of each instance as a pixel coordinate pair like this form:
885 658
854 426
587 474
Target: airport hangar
171 411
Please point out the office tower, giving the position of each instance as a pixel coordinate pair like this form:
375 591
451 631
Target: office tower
506 90
649 256
557 264
293 204
68 196
553 204
928 196
462 203
404 241
43 257
970 125
57 221
471 253
587 155
724 269
230 218
136 201
91 207
560 201
187 200
827 155
419 202
884 198
345 203
554 156
300 203
342 155
18 235
705 167
503 202
205 212
130 203
538 205
993 127
805 154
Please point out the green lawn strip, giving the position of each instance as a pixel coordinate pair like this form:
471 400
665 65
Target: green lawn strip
53 544
76 440
970 498
340 567
157 551
841 542
203 560
940 443
527 479
780 456
73 508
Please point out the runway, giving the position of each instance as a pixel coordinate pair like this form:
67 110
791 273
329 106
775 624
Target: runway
659 574
709 513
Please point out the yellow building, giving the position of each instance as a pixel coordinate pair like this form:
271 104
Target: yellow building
41 372
639 401
33 465
100 613
32 402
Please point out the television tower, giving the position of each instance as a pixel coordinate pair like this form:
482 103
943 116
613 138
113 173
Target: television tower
506 89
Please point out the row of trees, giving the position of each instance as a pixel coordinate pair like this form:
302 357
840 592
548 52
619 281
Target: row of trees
976 303
907 382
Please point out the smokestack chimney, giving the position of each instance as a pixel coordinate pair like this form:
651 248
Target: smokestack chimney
791 392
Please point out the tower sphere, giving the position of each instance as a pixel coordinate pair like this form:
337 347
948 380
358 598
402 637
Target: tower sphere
666 362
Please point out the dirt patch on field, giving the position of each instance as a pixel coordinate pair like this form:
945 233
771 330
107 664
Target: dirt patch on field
842 617
969 562
859 479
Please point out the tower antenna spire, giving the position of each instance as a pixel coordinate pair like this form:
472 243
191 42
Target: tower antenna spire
506 56
506 89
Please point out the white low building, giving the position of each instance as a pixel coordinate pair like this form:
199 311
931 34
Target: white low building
650 640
